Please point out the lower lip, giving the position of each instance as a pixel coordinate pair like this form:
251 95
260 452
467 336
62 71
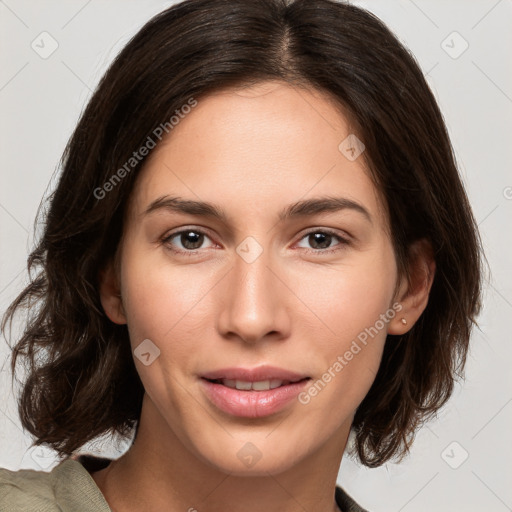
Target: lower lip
251 404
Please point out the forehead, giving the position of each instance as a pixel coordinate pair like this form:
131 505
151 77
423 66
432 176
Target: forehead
251 148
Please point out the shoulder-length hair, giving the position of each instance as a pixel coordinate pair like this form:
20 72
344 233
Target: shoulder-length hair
81 379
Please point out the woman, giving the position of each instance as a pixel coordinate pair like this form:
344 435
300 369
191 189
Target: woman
258 245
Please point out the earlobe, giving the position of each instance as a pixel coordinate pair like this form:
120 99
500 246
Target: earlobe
110 295
414 294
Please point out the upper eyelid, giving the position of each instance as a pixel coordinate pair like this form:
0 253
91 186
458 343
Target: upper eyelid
178 231
332 232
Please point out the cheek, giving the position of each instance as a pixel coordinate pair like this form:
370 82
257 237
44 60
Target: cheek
353 304
163 301
164 304
351 296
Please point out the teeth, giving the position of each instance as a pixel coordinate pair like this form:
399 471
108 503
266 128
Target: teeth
239 384
256 386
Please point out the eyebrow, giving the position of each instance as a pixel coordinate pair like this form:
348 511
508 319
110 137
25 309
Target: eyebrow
304 208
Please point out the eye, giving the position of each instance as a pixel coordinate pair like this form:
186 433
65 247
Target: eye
321 240
188 241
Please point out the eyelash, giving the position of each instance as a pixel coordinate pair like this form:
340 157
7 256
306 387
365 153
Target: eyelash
343 241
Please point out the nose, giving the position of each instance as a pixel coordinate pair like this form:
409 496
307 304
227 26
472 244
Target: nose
256 301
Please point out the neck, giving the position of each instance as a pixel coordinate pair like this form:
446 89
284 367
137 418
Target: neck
161 472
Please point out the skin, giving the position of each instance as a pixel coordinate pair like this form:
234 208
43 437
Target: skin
252 152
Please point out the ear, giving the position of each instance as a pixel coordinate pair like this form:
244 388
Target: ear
413 294
110 295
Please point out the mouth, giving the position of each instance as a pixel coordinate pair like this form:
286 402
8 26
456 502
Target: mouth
255 393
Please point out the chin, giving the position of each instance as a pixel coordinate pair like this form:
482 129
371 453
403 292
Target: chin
262 468
250 458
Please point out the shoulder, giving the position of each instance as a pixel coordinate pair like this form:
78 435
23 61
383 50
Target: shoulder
26 489
347 503
67 487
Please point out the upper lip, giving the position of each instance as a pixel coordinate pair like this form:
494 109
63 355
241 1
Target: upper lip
254 374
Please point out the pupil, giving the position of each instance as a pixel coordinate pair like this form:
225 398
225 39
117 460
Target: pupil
195 243
317 238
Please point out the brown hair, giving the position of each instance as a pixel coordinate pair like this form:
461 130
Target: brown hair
81 379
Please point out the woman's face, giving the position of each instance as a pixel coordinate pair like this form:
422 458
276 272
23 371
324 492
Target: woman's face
264 283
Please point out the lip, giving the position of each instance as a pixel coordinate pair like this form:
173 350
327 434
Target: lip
254 374
251 404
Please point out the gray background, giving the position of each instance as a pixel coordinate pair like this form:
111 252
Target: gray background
458 462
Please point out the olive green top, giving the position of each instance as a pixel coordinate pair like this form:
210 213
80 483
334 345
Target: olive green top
69 487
